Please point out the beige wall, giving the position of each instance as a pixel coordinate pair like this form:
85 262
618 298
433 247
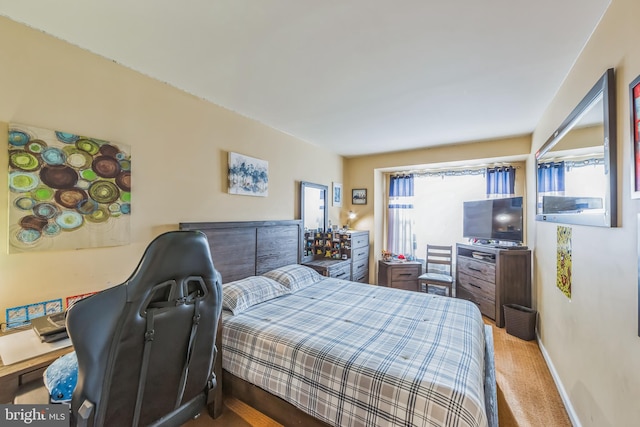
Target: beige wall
367 172
592 340
179 147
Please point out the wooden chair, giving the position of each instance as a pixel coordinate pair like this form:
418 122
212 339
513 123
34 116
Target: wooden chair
439 268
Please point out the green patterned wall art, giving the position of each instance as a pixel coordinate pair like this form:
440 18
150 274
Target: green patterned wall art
564 261
66 191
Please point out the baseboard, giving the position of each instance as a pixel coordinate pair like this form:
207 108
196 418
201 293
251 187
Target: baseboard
573 417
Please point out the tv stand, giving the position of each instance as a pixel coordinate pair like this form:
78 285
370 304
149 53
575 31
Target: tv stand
491 276
503 247
499 244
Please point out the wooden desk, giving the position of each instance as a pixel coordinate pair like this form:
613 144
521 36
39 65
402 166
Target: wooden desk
16 374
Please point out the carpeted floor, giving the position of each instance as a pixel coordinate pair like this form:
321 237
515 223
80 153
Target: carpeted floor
527 395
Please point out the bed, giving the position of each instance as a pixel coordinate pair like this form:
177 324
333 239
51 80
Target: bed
309 350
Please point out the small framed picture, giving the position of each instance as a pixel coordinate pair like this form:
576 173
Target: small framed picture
634 108
337 194
359 196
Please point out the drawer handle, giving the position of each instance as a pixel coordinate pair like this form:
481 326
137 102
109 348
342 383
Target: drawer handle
360 266
341 274
405 274
475 286
475 269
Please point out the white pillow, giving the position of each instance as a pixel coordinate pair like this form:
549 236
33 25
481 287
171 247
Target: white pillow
240 295
294 276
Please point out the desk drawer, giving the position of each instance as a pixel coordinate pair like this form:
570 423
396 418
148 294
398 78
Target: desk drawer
36 374
474 268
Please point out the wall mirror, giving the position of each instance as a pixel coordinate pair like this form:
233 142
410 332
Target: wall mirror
576 168
313 205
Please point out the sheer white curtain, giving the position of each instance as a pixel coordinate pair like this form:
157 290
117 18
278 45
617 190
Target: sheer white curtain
401 221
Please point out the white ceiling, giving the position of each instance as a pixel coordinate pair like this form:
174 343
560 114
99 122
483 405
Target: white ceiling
356 76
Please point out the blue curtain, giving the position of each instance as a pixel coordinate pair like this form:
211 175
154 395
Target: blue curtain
400 234
401 186
501 180
551 177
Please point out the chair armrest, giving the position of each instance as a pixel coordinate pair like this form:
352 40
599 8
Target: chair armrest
85 414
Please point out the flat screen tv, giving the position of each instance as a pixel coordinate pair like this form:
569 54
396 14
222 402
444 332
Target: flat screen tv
493 220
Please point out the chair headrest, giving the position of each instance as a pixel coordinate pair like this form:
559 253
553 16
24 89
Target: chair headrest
172 256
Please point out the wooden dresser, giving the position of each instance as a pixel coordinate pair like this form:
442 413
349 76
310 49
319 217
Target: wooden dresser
359 256
491 277
331 268
339 245
400 275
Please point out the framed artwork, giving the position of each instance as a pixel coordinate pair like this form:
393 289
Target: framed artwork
248 176
337 194
564 269
66 191
638 257
359 196
634 109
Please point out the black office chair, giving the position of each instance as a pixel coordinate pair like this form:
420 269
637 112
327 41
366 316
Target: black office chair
146 348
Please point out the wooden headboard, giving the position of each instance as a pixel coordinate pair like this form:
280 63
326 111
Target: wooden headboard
249 248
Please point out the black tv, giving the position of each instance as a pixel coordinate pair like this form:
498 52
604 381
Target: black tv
493 220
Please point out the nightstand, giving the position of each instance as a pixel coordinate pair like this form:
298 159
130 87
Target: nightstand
399 275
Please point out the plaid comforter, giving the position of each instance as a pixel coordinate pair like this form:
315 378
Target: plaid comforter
352 354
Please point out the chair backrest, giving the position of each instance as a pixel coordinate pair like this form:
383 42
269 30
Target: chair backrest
439 259
146 347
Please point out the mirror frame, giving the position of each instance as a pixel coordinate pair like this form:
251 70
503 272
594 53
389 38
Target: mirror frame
605 86
304 185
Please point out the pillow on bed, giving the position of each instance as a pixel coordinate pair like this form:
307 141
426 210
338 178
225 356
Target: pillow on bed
240 295
294 276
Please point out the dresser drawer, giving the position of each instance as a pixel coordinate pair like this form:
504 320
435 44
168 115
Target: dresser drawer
340 271
476 286
331 268
359 266
361 276
359 240
405 272
360 253
487 307
474 268
407 285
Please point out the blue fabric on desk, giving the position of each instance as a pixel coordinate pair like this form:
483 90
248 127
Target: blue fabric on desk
60 378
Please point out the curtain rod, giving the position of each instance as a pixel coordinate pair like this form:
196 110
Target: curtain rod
451 171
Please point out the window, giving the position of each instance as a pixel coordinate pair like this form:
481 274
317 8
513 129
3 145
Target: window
436 213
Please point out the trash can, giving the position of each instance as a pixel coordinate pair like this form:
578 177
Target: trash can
520 321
